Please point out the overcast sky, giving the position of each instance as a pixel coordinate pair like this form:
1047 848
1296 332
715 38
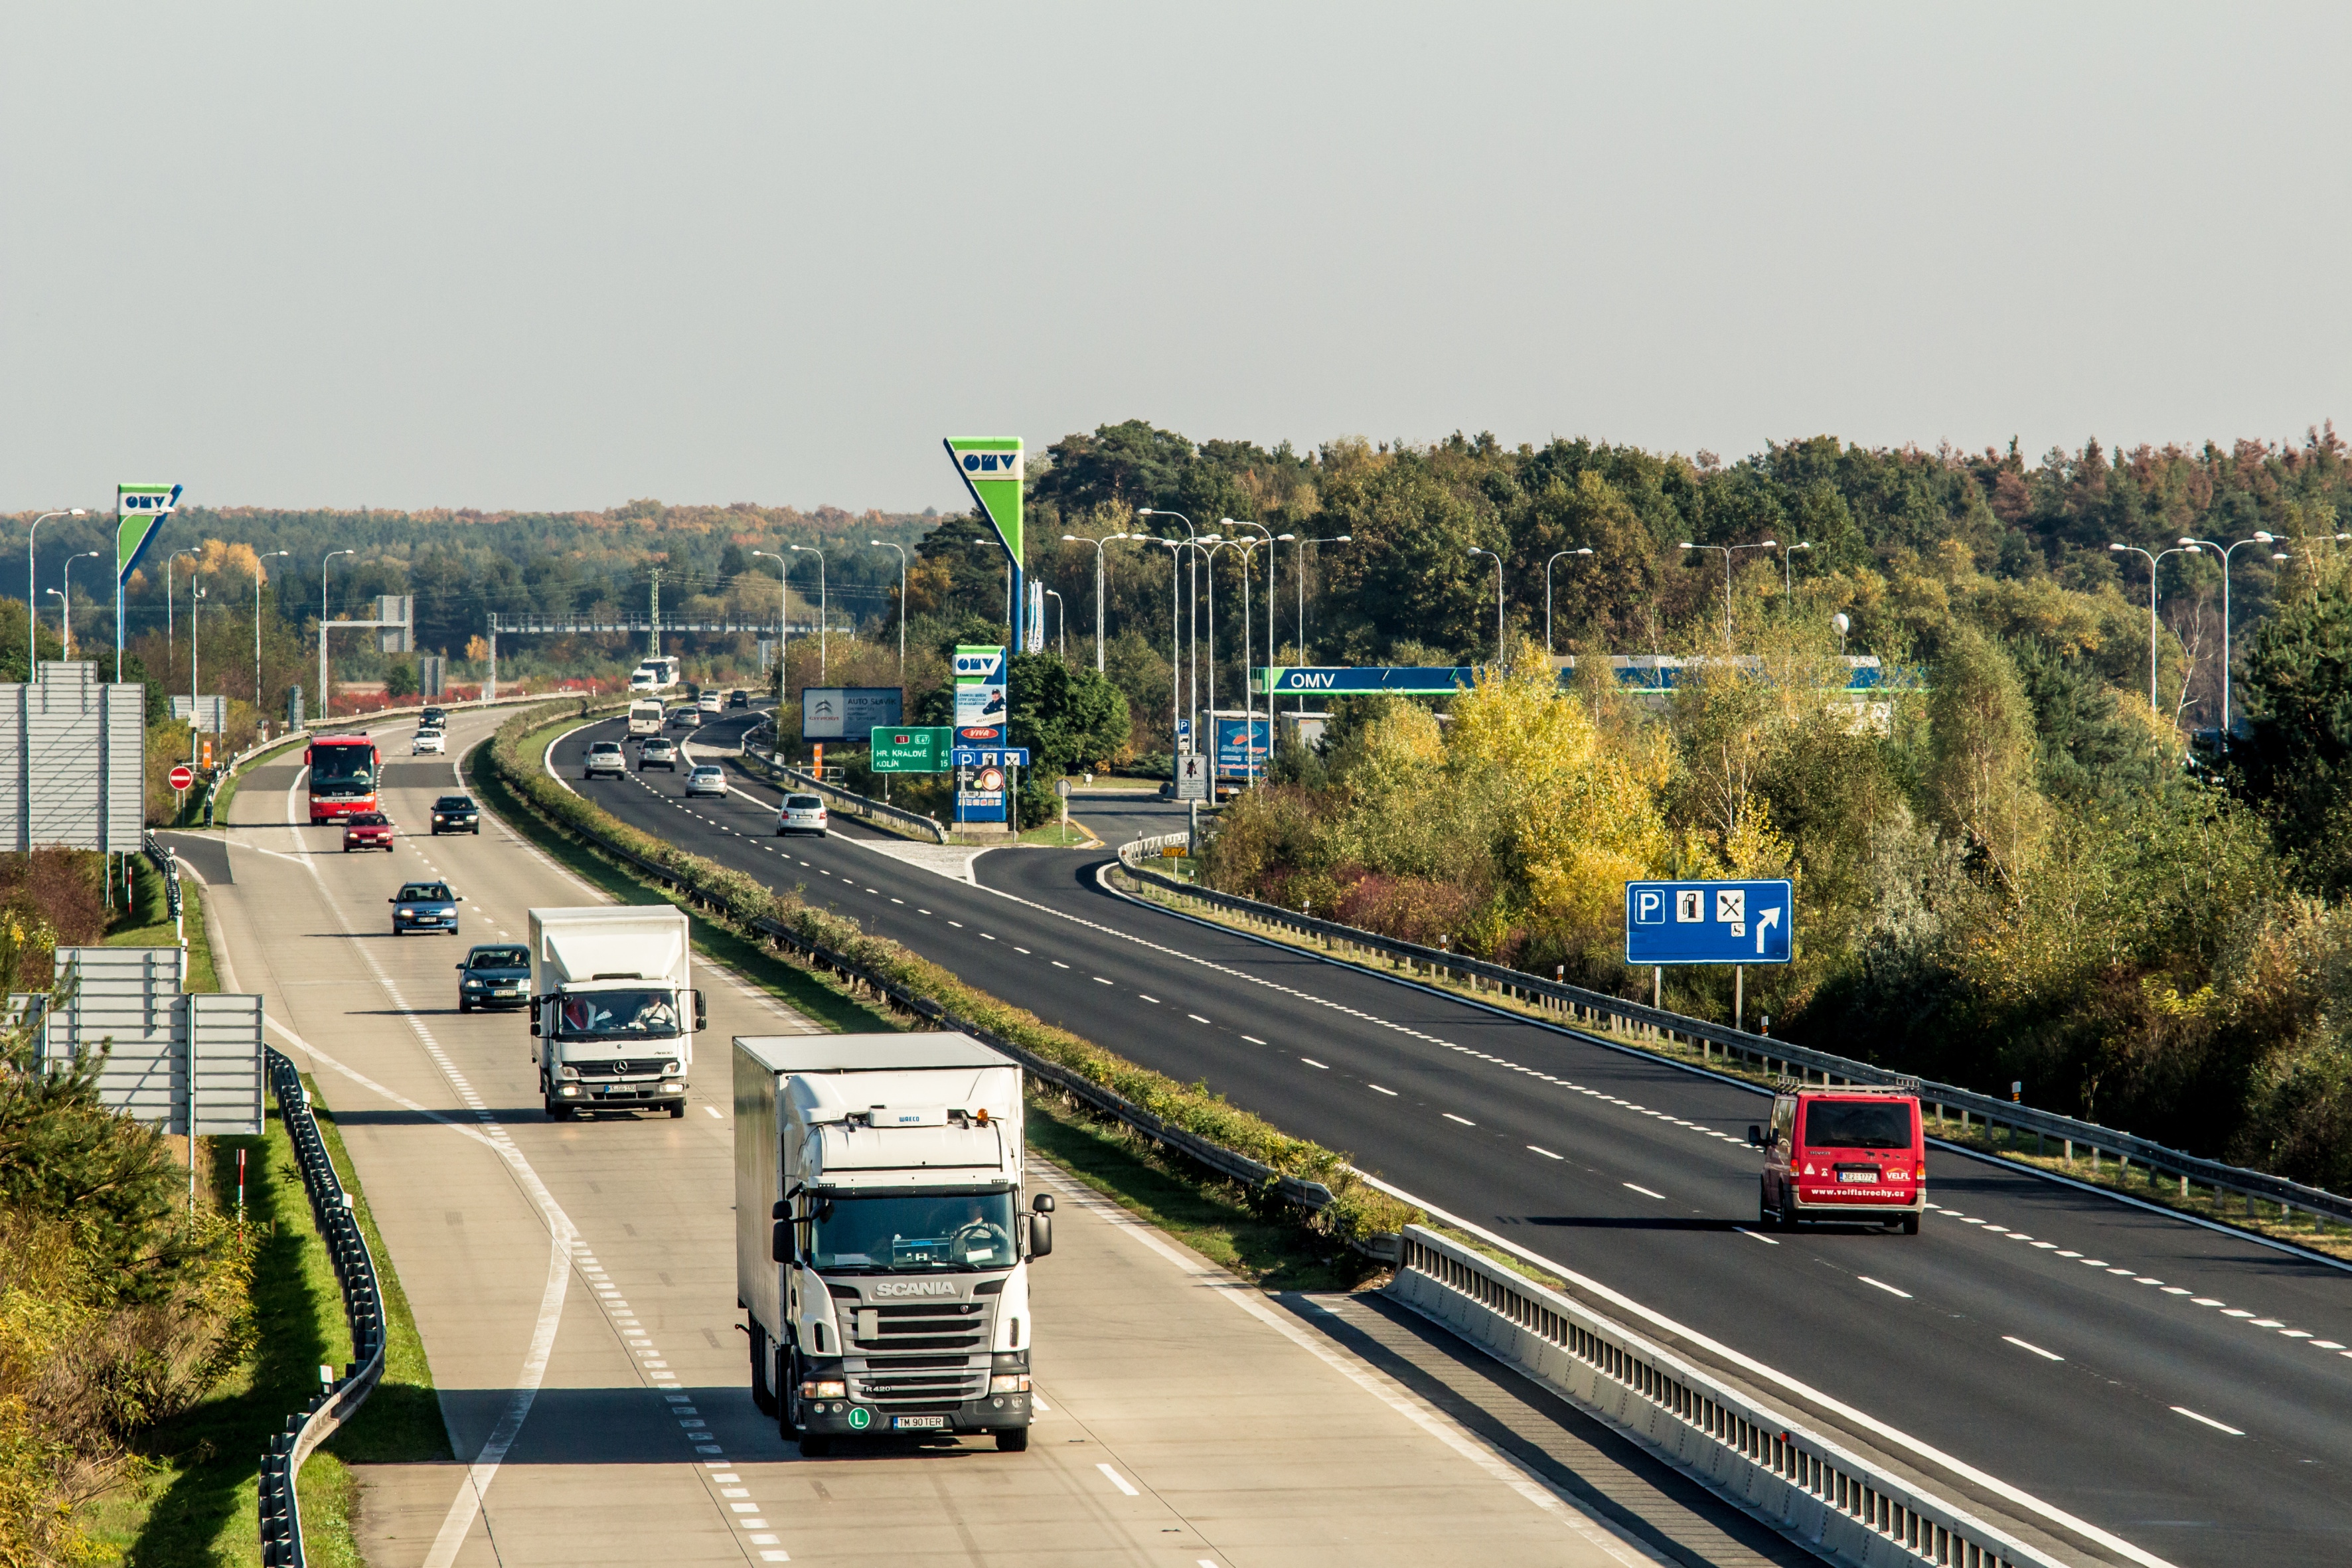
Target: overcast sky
565 255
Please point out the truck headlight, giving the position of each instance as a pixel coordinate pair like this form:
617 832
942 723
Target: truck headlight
1009 1383
824 1388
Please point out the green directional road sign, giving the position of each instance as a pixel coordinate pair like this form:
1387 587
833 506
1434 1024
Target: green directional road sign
922 749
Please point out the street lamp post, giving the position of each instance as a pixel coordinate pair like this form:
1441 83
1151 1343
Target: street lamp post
1498 603
2225 552
1212 543
2153 563
1580 549
256 629
65 579
783 618
1248 706
1062 614
322 621
64 619
1728 549
32 611
1098 543
1192 604
824 617
1175 649
1789 570
1328 538
883 544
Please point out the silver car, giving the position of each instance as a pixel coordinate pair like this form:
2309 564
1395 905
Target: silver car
706 779
604 757
801 814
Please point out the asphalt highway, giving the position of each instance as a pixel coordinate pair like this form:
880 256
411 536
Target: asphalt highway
2184 1391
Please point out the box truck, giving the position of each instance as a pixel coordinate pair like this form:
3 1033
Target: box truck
612 1008
883 1236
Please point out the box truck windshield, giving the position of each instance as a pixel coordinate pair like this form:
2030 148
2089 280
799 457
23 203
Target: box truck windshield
618 1014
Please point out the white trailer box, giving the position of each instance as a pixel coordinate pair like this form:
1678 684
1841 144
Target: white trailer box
882 1239
612 1008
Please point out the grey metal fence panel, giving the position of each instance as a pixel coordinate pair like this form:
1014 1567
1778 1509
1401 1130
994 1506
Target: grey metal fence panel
124 822
71 761
127 1002
222 1042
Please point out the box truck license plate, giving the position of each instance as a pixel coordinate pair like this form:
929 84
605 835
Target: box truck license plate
917 1422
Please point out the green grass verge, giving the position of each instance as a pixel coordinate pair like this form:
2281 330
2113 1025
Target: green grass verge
228 785
147 922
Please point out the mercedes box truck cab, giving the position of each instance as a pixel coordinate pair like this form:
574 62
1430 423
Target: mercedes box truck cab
612 1008
883 1236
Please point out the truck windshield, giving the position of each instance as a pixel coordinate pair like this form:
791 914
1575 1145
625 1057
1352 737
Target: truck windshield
901 1231
1857 1124
620 1015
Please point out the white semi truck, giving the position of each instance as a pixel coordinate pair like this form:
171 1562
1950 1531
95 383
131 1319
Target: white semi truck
612 1008
883 1236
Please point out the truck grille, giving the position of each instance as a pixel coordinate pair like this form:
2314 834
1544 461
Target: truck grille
919 1392
622 1068
926 1326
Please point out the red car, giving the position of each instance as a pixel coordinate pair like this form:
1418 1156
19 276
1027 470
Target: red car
367 830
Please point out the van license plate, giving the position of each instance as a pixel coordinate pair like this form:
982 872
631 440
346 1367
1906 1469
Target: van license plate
1857 1176
917 1422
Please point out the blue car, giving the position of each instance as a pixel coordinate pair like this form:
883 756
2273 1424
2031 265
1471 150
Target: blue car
423 906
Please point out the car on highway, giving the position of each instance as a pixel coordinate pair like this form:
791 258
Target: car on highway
706 779
494 974
428 740
658 752
423 906
739 697
801 814
434 715
1848 1154
456 814
367 830
604 757
684 718
707 704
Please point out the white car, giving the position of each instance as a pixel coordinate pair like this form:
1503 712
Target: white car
801 814
428 740
707 702
706 780
604 757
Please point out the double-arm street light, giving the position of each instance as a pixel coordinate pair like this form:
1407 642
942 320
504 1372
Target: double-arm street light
1098 543
1248 706
784 616
1727 550
2225 552
2189 548
66 579
1580 549
823 615
1498 603
1191 602
885 544
32 604
322 621
256 629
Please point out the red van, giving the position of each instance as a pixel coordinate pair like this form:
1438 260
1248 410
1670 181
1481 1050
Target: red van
1857 1155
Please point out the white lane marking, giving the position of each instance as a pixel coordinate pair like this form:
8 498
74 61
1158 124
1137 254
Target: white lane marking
1055 962
2208 1420
1753 1237
1376 1088
897 901
1883 1285
958 924
1464 1119
1101 981
1546 1154
1196 1017
986 937
2037 1350
1253 1040
2205 1301
2235 1312
1119 1480
1016 946
1310 1061
1141 997
1643 1190
712 1112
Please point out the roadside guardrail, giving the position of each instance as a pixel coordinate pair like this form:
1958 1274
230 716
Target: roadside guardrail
764 761
1626 1022
338 1397
1843 1506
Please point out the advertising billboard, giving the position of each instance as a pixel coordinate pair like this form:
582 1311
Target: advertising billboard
838 712
1243 746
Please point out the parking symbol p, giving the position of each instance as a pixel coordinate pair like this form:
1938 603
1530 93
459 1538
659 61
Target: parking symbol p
1649 907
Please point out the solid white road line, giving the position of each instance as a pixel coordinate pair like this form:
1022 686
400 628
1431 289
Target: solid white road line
2208 1420
2037 1350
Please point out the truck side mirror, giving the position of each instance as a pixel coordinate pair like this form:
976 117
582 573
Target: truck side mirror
1755 1136
780 1209
701 1012
534 1035
780 1241
1041 1234
1043 1203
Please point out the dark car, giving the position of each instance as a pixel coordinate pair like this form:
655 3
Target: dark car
739 697
456 814
494 976
423 906
658 752
432 719
367 830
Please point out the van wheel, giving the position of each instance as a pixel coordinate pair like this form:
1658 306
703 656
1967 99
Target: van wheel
1765 1218
556 1110
1910 1225
1012 1439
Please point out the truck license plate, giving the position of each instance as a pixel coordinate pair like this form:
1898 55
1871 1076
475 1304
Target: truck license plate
917 1422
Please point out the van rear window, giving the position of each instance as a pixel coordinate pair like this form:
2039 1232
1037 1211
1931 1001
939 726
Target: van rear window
1857 1124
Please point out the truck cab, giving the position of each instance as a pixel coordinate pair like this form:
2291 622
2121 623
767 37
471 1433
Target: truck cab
883 1236
1853 1155
614 1012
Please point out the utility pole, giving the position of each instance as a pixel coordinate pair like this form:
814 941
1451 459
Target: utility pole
652 617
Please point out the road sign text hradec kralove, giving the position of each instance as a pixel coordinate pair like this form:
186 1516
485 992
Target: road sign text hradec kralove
1708 922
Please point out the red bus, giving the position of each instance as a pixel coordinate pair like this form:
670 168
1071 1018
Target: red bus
345 771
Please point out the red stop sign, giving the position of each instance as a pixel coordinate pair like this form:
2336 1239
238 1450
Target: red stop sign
182 776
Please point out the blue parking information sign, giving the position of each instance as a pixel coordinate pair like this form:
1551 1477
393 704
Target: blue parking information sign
1708 923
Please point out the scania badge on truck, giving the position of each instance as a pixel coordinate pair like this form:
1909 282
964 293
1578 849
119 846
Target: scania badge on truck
612 1008
883 1235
